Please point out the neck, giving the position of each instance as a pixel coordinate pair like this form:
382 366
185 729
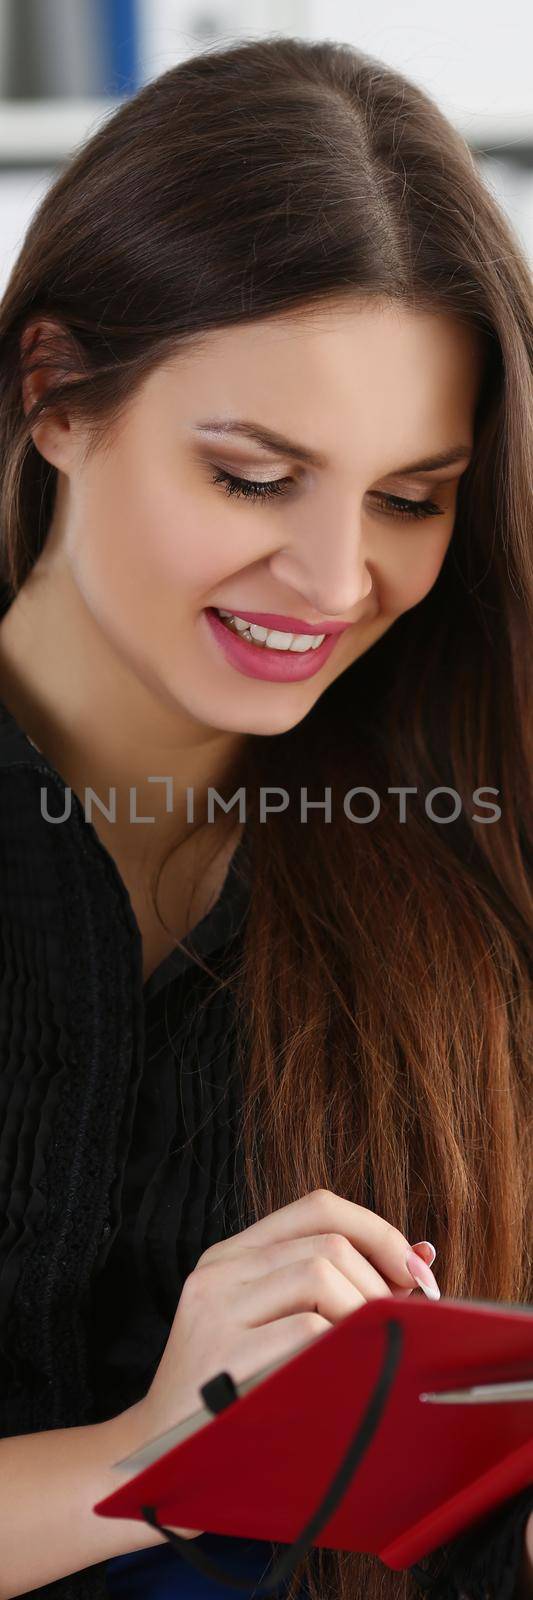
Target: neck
107 731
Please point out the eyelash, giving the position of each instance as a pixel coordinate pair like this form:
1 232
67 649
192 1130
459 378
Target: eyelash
396 505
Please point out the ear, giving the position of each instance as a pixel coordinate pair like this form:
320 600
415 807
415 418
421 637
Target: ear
46 353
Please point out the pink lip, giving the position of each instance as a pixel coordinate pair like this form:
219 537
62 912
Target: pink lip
268 619
277 666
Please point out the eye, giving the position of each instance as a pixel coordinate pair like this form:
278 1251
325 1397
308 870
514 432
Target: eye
250 490
395 505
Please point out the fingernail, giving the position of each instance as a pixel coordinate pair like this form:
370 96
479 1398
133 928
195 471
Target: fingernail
426 1245
422 1275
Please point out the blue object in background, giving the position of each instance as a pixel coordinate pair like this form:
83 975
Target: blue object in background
160 1573
69 48
122 47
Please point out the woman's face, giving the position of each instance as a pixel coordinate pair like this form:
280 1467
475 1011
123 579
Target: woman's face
153 544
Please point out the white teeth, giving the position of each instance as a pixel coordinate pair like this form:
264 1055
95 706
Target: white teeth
273 639
280 641
305 641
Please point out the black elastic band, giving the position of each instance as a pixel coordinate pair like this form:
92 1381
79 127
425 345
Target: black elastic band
219 1393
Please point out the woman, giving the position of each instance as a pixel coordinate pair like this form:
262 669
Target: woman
266 360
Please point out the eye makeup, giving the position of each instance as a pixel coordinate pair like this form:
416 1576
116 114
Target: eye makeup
393 505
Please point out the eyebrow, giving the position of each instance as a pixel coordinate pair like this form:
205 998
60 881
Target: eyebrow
289 447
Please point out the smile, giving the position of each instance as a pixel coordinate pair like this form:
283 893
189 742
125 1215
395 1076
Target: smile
270 638
276 660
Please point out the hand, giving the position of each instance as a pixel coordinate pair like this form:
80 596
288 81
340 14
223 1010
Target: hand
257 1297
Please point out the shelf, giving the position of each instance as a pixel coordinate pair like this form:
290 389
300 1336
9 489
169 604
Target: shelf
41 133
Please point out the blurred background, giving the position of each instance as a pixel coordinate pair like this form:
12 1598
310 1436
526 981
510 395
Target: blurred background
64 64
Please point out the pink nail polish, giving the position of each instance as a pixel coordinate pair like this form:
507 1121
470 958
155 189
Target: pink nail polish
422 1275
428 1246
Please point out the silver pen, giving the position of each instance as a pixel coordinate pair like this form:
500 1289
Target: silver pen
482 1393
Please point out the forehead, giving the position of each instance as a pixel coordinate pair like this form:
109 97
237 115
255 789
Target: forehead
340 376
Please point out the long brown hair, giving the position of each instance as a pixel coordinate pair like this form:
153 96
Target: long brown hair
383 990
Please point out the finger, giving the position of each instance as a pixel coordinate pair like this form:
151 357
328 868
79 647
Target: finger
258 1260
427 1253
321 1211
308 1285
426 1250
423 1275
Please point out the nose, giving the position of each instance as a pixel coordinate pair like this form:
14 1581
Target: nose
328 571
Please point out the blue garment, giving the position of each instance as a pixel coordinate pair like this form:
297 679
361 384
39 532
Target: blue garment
160 1573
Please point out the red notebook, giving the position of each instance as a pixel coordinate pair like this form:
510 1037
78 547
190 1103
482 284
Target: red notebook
373 1437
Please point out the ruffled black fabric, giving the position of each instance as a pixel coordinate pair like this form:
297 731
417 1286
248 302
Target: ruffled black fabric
119 1150
183 1172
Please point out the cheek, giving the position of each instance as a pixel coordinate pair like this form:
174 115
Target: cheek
148 538
413 567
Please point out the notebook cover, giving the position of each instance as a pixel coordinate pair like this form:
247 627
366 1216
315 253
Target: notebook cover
260 1468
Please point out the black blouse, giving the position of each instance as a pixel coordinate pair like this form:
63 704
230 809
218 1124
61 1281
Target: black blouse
182 1176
